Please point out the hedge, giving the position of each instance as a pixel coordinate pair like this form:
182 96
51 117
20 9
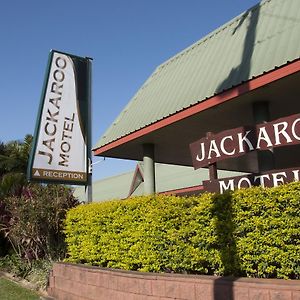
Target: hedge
251 232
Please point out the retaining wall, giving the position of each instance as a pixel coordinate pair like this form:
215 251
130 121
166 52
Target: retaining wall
80 282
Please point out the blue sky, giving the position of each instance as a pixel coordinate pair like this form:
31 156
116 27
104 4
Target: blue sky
127 39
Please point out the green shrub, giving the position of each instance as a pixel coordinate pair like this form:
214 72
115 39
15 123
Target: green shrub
251 232
15 265
37 272
33 221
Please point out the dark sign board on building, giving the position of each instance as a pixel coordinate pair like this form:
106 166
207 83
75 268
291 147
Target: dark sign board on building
266 179
239 141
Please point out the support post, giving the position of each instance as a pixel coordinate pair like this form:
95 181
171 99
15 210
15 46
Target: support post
261 115
213 171
149 169
89 187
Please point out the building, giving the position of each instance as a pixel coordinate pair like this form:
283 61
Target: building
170 179
246 72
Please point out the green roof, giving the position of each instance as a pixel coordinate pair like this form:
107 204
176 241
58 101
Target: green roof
259 40
168 178
115 187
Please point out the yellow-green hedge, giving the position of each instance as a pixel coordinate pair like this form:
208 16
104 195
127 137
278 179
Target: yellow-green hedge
252 232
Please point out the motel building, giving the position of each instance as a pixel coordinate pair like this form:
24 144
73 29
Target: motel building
222 114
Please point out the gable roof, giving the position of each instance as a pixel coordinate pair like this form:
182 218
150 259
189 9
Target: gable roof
259 40
169 179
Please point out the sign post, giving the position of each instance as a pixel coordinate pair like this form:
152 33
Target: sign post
62 139
212 167
89 187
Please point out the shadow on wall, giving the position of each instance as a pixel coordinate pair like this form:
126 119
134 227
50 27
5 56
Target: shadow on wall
222 209
226 244
242 72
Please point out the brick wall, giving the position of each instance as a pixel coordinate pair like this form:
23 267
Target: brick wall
80 282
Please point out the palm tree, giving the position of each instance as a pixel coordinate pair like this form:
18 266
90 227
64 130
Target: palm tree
14 157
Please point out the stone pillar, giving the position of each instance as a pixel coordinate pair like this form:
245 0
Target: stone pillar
149 169
261 114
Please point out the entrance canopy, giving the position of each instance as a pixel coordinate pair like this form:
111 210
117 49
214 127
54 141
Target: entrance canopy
212 86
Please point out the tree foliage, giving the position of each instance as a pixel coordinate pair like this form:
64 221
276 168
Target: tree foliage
35 219
14 157
31 215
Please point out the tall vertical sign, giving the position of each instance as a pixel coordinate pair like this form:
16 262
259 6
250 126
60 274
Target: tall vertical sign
62 137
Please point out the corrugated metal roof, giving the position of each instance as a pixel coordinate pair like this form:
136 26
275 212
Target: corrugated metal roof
115 187
259 40
168 178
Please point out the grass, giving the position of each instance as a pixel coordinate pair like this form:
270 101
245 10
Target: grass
36 273
12 291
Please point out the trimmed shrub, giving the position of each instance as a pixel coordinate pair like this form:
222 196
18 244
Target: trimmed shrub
251 232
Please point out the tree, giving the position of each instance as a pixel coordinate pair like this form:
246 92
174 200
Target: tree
35 229
13 166
14 157
31 215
